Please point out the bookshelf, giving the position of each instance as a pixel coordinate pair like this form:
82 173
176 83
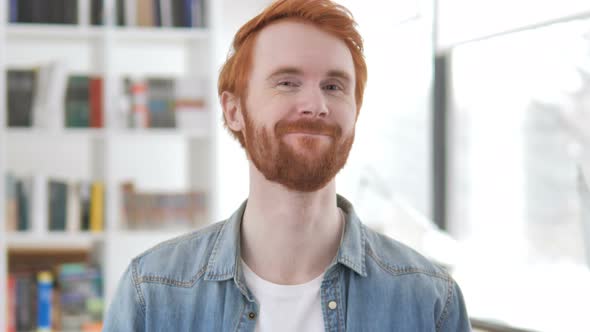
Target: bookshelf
62 240
3 237
162 160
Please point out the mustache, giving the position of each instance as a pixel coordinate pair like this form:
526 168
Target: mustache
307 126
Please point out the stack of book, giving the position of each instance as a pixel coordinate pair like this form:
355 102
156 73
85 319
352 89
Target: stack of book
46 97
83 102
161 13
44 11
71 206
160 102
163 210
65 297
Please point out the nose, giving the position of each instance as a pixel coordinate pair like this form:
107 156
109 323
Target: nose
312 103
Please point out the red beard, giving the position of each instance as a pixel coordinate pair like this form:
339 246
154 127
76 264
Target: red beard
280 163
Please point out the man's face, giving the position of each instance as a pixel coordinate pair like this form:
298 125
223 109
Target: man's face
300 109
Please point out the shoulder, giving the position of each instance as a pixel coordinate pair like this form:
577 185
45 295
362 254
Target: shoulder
180 261
395 266
397 258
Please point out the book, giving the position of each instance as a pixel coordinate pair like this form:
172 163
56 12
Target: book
23 11
44 11
39 11
77 102
96 108
74 206
57 205
96 12
11 202
139 108
59 296
39 203
177 13
11 304
97 207
145 13
40 116
198 13
26 300
24 193
53 10
44 301
187 13
157 13
161 102
70 15
81 295
166 15
121 13
21 90
130 13
13 18
49 96
84 7
163 210
84 188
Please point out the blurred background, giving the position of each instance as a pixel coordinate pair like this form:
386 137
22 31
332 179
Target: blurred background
472 147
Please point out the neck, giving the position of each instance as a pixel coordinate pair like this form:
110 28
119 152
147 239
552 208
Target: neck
289 237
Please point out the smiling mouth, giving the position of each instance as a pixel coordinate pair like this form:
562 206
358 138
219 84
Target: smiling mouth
301 133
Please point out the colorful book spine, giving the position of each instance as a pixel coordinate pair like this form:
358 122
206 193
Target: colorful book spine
145 13
44 301
74 217
13 11
97 207
139 107
58 197
85 197
11 304
11 203
96 108
20 95
26 296
23 192
78 102
96 10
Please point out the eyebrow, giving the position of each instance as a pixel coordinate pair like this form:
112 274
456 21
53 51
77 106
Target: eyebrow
295 71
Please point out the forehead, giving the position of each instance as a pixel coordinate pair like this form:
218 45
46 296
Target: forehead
290 43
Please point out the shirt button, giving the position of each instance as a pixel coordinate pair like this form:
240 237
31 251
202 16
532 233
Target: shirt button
332 305
252 315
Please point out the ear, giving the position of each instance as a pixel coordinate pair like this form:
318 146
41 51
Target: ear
232 111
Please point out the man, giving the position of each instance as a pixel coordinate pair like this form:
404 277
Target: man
294 256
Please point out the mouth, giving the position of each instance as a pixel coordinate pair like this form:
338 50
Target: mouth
308 134
307 129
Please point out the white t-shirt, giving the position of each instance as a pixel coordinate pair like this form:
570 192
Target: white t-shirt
286 308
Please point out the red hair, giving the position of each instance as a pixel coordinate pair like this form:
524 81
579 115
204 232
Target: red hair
324 14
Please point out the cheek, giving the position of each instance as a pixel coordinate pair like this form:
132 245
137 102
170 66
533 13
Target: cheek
267 108
345 114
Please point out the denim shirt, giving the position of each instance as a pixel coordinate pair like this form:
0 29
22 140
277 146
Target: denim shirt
195 283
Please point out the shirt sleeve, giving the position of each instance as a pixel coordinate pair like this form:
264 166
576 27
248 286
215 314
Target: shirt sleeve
454 317
126 311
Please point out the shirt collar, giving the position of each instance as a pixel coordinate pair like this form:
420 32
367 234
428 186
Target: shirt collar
224 262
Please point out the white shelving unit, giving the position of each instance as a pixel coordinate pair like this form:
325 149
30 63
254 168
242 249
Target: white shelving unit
3 237
155 159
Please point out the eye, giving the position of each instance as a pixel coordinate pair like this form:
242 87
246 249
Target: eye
287 83
332 87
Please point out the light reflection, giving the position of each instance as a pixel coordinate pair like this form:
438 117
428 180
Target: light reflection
519 125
